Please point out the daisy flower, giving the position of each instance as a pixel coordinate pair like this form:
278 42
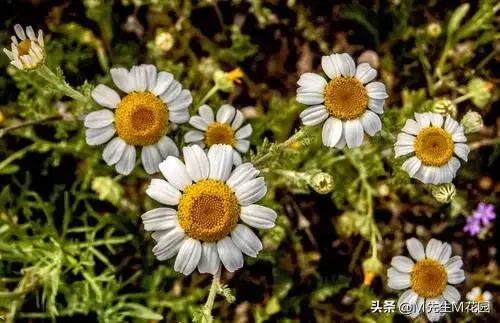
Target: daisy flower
476 295
349 102
211 199
153 102
427 280
433 141
225 129
28 52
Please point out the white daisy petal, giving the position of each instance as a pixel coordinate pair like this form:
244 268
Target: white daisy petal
236 158
415 248
151 75
251 191
242 145
175 172
412 165
209 261
151 158
167 147
331 66
246 240
162 218
225 114
436 120
411 127
403 150
418 308
182 102
409 298
487 296
106 96
188 257
371 122
169 244
451 294
348 67
456 277
122 79
353 133
458 135
163 192
30 33
376 90
99 119
310 98
197 164
432 306
99 136
258 216
193 136
433 249
445 253
9 54
220 158
138 73
450 124
365 73
341 144
206 113
114 151
312 81
397 280
244 132
423 119
331 132
19 31
238 120
163 81
376 106
314 115
242 174
172 92
180 116
198 122
126 163
462 150
230 255
402 264
454 264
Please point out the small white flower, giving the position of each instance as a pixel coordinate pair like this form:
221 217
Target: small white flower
28 52
226 128
211 198
476 295
433 141
349 102
427 280
154 101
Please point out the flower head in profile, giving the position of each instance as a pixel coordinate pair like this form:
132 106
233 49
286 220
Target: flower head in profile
28 52
476 295
153 101
428 279
349 102
211 198
433 141
224 128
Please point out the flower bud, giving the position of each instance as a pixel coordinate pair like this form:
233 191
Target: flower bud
371 268
322 183
225 81
434 29
108 189
479 90
444 193
444 106
164 40
472 122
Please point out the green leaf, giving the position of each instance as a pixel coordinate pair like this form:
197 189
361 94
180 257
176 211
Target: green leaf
141 311
456 18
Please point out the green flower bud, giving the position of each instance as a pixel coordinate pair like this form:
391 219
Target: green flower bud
346 225
372 265
225 81
444 106
322 183
108 189
444 193
434 29
480 92
472 122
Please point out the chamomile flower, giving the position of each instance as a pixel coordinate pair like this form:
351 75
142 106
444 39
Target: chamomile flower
433 140
28 52
349 102
476 295
427 280
211 199
153 102
226 128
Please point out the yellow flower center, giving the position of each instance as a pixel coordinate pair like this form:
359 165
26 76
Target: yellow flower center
345 98
24 47
219 133
428 278
141 119
208 210
479 298
434 146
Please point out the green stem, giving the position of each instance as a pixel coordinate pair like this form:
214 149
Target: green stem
207 96
278 147
211 296
442 59
28 123
60 84
463 98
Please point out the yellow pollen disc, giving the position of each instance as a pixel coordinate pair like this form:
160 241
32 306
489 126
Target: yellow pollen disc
24 47
428 278
208 210
219 133
434 146
345 98
141 119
